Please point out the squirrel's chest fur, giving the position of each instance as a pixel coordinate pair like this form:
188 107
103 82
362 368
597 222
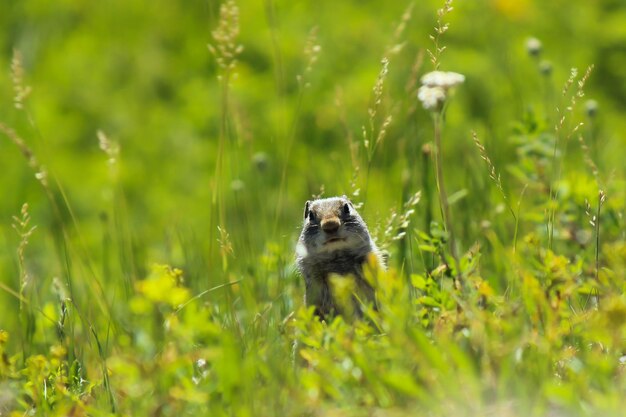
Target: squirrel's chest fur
343 262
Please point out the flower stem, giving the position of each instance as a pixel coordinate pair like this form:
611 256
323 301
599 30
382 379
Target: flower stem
443 197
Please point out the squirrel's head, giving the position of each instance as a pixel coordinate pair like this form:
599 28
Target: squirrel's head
332 224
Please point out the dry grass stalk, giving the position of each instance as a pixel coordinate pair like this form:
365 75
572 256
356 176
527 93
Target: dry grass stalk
493 174
312 51
109 147
588 159
569 110
368 136
397 223
397 44
440 29
412 84
41 174
225 47
24 231
22 91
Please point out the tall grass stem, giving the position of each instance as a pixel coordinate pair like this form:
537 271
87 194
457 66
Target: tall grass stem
443 196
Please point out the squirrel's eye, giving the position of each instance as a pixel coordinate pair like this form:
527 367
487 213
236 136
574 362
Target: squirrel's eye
346 208
311 216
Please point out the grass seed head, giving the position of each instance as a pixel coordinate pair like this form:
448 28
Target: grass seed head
22 91
225 47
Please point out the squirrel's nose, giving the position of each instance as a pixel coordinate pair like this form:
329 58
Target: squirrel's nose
330 225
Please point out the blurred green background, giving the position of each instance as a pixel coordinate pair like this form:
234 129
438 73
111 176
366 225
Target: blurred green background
141 73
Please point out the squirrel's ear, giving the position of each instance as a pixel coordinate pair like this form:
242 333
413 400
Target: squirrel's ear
306 209
345 197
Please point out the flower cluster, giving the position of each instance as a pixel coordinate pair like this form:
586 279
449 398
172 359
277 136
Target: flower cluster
435 86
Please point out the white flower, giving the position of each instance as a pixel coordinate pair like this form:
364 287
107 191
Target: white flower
432 98
442 79
533 46
591 107
434 91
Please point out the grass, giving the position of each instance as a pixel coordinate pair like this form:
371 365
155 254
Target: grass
157 187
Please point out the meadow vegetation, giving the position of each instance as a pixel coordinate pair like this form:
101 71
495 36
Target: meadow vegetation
156 158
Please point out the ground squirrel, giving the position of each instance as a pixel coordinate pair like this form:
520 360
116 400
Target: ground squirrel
335 240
